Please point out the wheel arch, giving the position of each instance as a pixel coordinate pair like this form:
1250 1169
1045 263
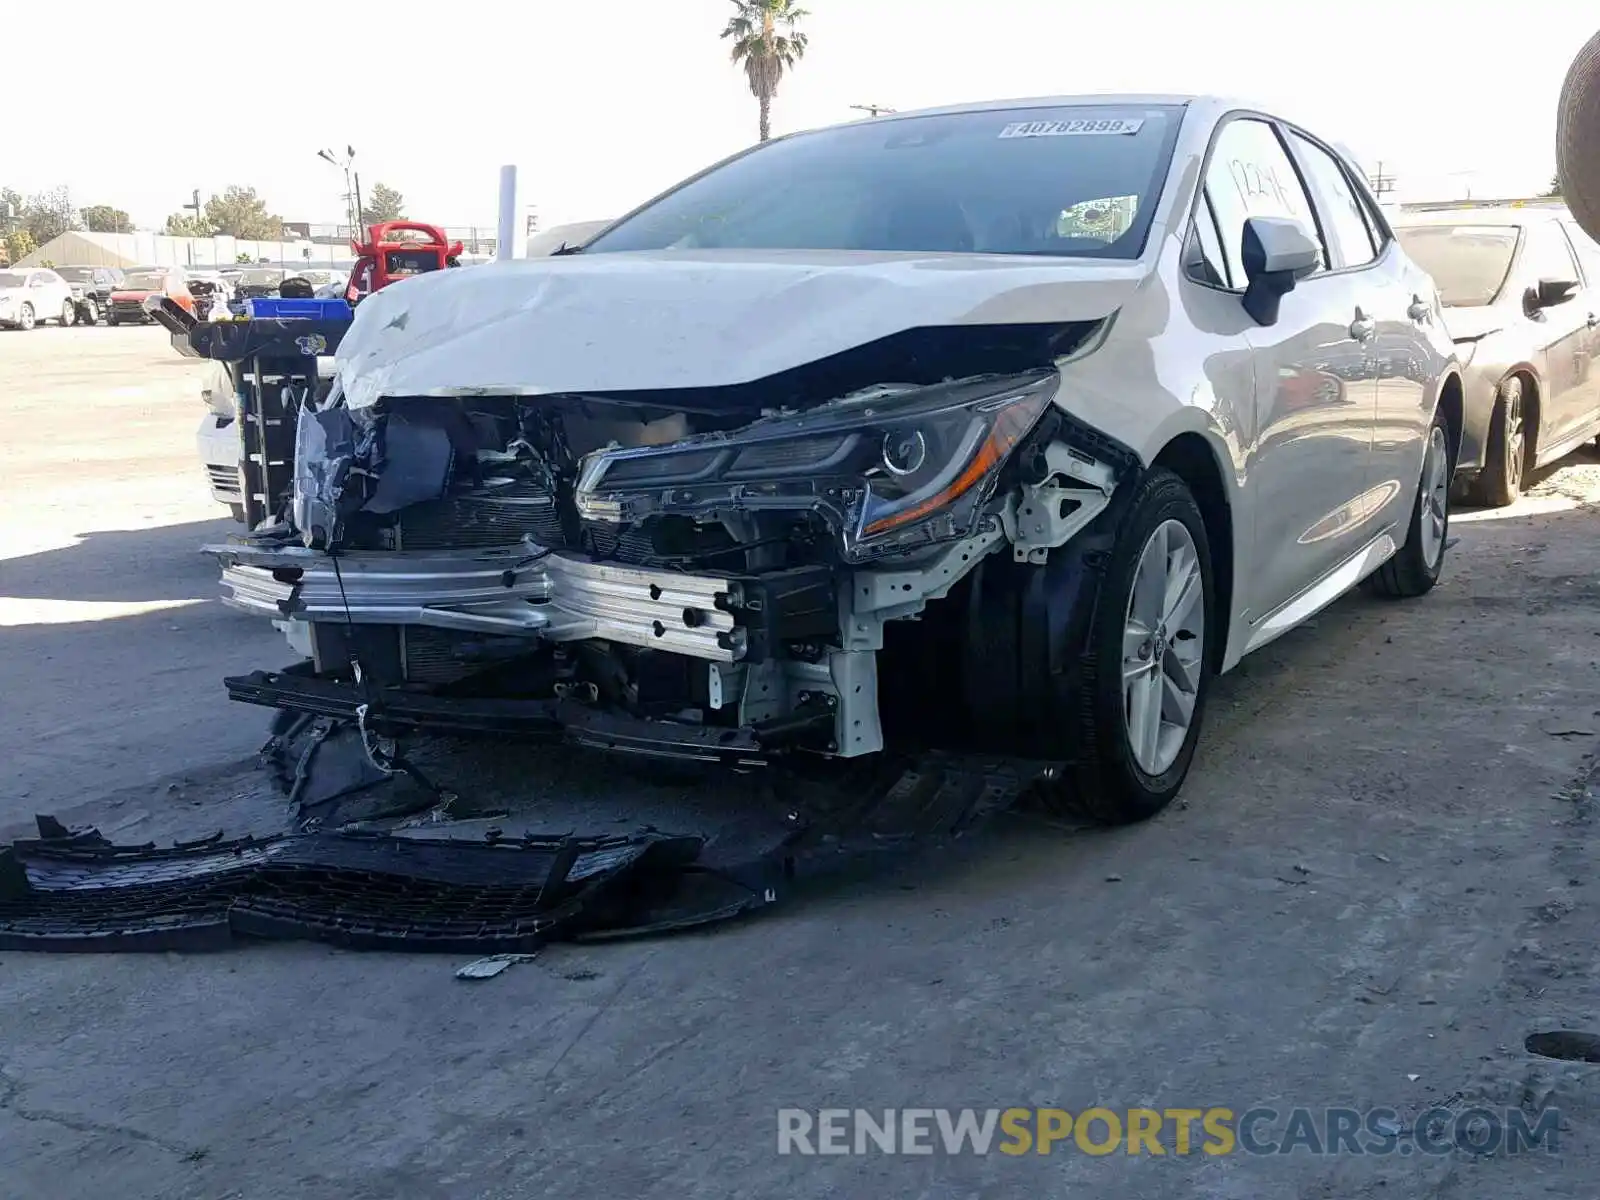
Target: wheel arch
1451 404
1191 456
1532 407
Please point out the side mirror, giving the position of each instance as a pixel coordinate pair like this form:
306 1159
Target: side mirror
1277 253
1548 293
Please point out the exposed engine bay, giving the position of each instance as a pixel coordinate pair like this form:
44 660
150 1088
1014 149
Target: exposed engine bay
687 574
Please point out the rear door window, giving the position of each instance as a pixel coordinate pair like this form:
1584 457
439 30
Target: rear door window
1344 219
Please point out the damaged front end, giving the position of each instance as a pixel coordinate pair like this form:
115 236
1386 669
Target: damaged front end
681 575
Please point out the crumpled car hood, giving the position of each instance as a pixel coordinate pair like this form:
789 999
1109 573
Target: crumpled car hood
685 319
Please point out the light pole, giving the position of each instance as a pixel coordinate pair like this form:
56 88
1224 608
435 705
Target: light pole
352 190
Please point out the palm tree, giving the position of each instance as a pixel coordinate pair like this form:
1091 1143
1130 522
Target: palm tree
764 52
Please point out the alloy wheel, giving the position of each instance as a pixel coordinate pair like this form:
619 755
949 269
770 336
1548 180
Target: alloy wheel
25 317
1434 510
1163 647
1516 439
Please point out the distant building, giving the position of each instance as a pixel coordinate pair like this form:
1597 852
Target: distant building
306 244
77 248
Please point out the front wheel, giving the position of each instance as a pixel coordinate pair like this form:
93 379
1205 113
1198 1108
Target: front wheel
69 315
1501 481
25 317
1416 568
90 313
1148 670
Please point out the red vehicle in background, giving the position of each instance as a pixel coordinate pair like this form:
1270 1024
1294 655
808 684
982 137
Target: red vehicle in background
397 250
138 284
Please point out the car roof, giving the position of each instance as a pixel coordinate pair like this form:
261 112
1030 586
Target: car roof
1211 104
1472 215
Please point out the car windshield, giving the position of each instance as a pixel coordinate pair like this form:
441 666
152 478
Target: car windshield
1078 181
76 274
1469 263
144 281
10 279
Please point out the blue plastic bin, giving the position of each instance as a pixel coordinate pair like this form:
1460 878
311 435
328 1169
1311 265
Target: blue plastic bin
309 310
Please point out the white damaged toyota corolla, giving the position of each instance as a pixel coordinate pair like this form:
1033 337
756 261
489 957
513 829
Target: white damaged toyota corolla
1002 427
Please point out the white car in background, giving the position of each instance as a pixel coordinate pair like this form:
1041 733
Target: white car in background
29 295
218 437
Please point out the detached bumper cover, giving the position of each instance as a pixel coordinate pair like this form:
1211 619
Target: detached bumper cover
66 892
561 597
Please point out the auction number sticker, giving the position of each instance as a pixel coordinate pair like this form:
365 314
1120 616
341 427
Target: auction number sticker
1081 128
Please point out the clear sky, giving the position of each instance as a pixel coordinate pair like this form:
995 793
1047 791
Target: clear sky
601 103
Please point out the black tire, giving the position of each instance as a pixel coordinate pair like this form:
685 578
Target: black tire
1577 135
69 315
113 319
1105 782
1409 573
25 318
89 314
1501 481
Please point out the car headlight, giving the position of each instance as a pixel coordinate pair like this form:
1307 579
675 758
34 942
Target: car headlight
887 470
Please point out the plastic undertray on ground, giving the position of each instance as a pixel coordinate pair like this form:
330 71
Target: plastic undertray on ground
493 893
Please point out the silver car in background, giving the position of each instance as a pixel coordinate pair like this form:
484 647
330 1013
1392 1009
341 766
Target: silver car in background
1521 292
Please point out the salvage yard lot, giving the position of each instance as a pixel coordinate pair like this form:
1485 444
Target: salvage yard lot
1379 881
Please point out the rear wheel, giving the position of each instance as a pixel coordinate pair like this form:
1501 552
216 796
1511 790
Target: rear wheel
1415 569
1501 481
25 317
1147 672
69 315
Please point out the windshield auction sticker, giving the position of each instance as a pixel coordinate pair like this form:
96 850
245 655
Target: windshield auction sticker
1030 129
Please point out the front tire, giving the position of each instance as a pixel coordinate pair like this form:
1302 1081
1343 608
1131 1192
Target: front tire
25 317
1148 668
1501 481
1416 568
69 315
90 314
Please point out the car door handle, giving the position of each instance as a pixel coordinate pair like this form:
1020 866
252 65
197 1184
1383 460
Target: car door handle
1362 327
1419 311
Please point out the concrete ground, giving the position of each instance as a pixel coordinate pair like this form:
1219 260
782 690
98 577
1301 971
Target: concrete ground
1381 879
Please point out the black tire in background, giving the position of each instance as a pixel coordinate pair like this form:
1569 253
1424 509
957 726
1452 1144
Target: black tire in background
1506 461
1108 784
1578 138
89 313
1416 568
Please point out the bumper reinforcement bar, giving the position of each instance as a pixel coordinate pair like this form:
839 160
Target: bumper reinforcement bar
519 589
